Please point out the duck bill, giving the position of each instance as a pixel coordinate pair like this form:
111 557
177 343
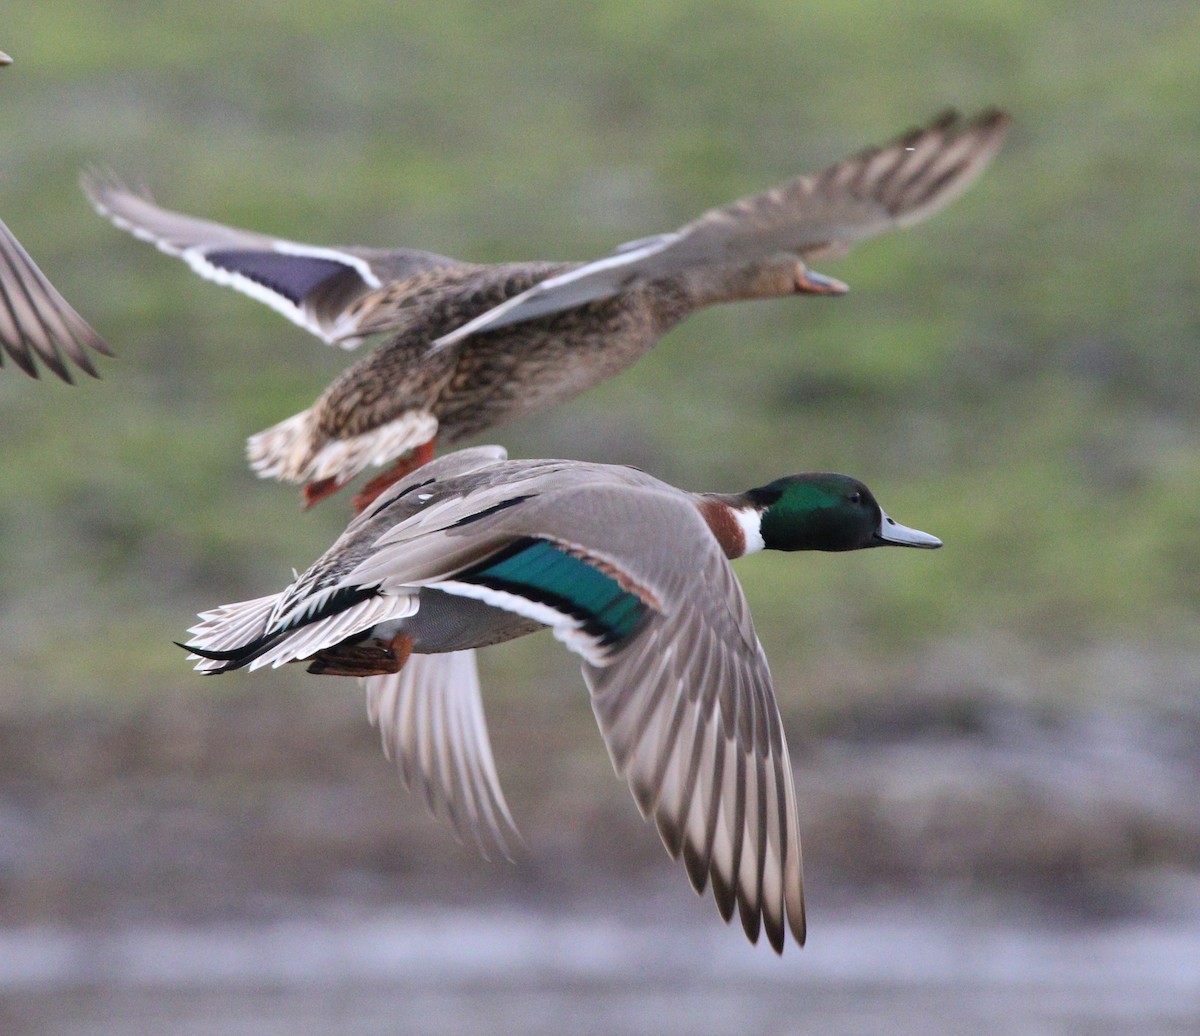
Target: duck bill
809 282
892 534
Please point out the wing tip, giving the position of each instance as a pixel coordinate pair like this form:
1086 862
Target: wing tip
101 184
954 123
36 322
750 913
723 895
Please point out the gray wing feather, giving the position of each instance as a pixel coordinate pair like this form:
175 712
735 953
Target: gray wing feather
601 279
447 466
431 721
690 720
36 322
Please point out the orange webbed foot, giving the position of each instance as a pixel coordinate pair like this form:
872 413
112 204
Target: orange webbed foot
406 465
373 658
315 492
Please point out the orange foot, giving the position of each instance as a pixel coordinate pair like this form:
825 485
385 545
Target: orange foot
369 658
317 491
407 464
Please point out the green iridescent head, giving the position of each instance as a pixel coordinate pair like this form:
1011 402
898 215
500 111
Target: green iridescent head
824 511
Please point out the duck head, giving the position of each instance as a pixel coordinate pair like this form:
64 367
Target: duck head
783 274
821 511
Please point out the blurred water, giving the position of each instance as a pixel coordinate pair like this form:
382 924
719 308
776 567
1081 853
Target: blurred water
895 971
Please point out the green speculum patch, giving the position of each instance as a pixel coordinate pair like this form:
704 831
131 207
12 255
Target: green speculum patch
541 571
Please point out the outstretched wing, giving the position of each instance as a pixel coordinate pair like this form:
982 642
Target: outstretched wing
690 719
313 286
679 682
891 186
430 719
36 322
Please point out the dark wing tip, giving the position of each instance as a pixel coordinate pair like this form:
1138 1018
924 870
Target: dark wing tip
724 895
22 354
210 653
671 834
643 795
799 927
51 358
931 166
234 659
94 341
914 175
773 926
750 914
20 357
989 124
696 865
993 118
951 120
36 322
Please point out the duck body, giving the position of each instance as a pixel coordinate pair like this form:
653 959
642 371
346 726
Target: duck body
471 346
629 573
503 374
404 393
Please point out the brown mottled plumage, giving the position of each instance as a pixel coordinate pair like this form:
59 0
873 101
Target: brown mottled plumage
472 346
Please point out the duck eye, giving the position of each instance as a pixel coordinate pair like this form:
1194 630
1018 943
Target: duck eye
855 498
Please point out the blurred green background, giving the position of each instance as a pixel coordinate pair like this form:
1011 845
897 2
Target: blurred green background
1016 714
1019 376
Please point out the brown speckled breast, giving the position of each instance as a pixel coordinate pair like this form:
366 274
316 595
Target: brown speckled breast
499 375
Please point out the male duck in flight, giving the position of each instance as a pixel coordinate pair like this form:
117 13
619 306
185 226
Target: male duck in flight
473 345
631 574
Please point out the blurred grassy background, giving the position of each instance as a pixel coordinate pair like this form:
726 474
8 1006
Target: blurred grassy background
1020 376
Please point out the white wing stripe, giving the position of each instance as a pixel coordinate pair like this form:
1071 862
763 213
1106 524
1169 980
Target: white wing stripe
525 306
566 628
334 255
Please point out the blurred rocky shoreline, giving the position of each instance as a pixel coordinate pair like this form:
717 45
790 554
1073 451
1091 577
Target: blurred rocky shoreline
194 808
